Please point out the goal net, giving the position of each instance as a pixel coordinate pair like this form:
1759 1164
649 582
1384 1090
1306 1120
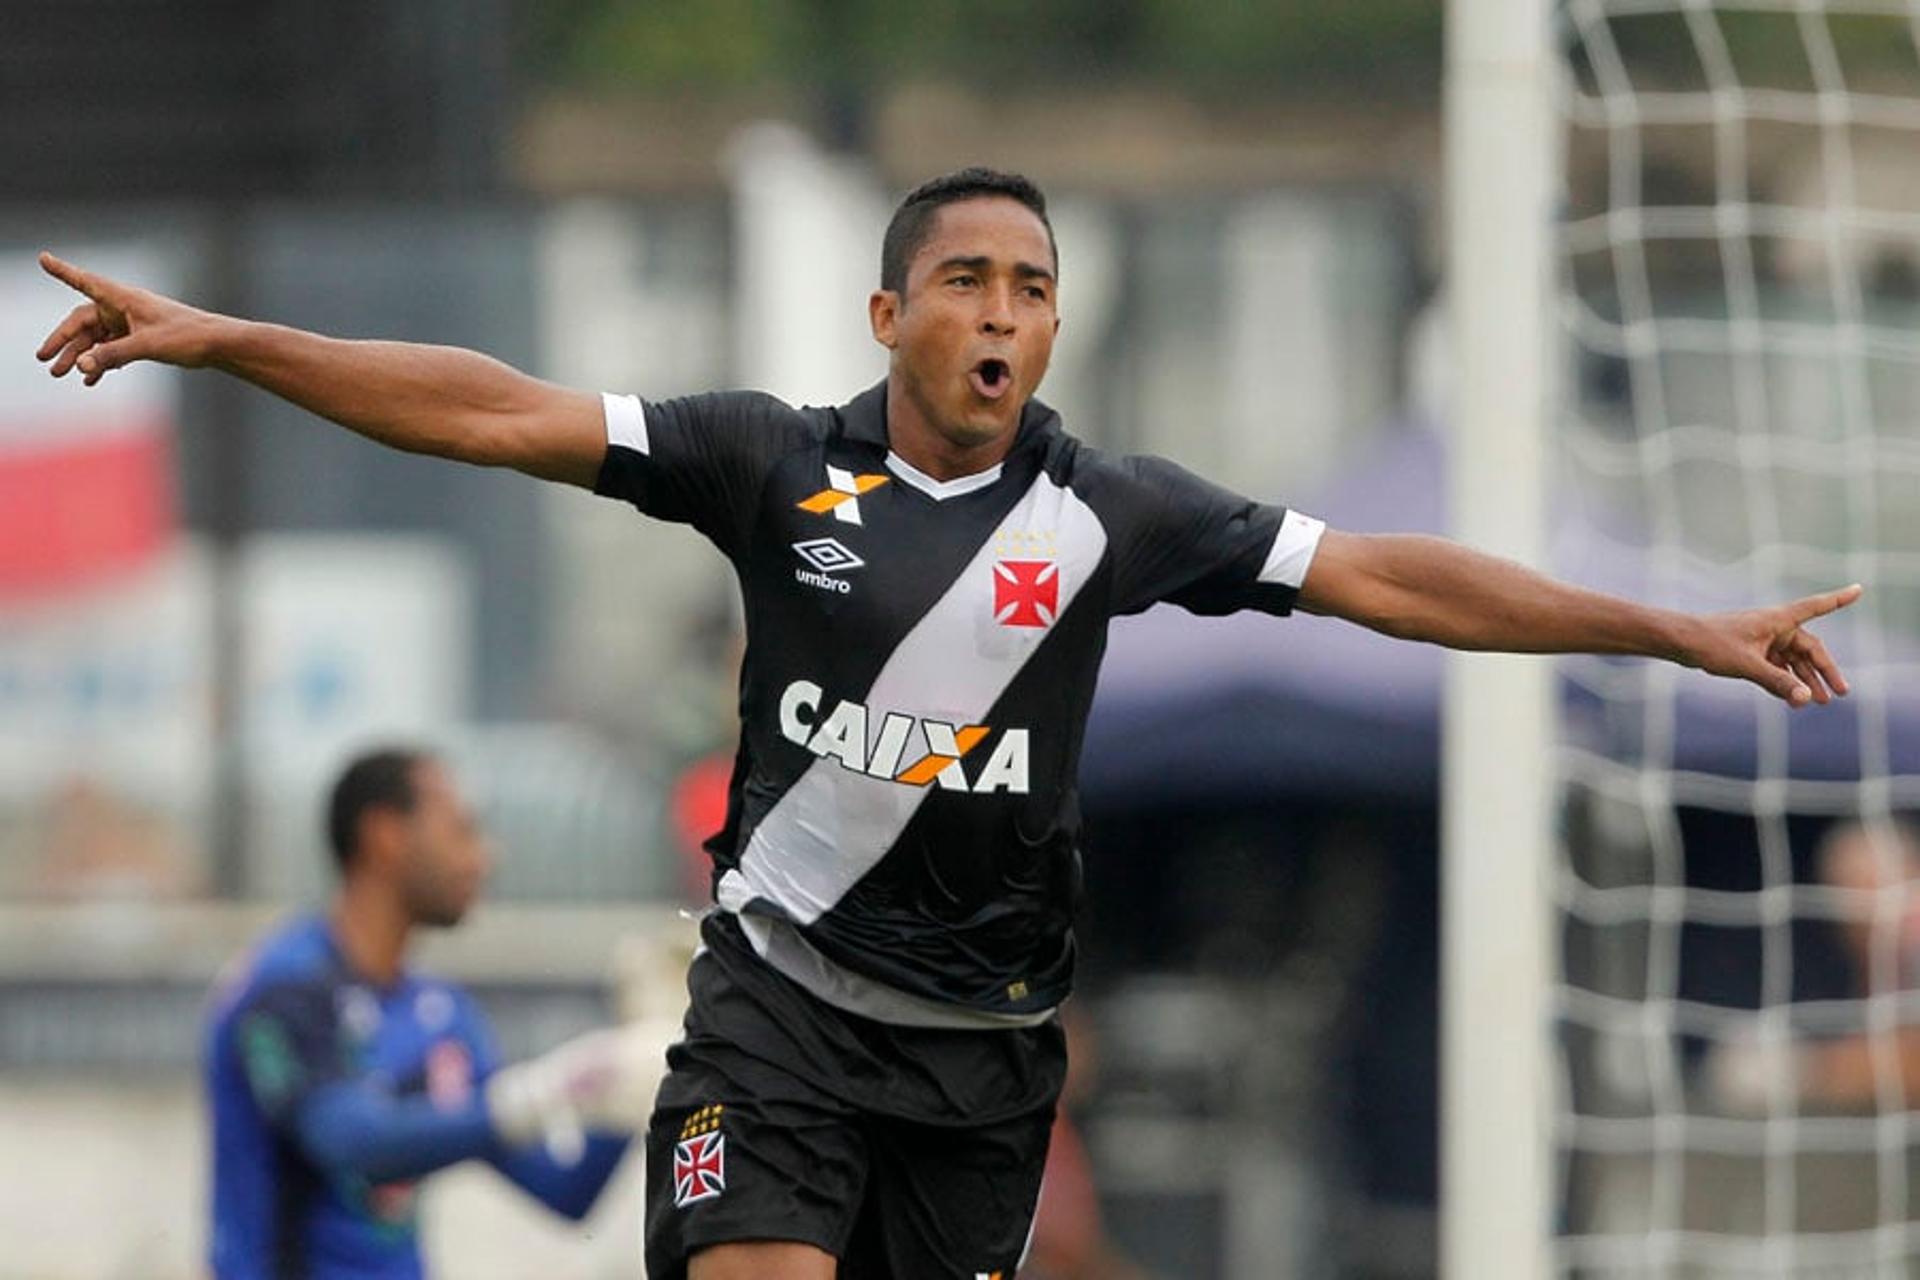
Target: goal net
1736 420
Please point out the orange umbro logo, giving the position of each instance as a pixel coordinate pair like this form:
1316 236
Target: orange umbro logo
842 495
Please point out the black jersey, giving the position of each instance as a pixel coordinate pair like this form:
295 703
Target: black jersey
921 657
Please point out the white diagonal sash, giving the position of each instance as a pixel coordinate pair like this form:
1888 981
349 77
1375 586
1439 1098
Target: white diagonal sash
833 824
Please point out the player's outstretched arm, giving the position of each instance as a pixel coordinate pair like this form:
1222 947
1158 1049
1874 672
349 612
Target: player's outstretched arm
443 401
1426 588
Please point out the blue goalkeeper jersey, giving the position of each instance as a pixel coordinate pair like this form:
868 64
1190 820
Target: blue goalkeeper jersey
291 1022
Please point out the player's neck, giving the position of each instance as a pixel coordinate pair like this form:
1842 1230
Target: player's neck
927 450
371 930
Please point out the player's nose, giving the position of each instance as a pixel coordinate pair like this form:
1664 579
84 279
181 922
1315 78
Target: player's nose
996 311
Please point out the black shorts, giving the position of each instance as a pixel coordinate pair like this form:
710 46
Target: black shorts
905 1152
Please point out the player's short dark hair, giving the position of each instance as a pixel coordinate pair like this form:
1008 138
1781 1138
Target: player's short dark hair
912 222
381 779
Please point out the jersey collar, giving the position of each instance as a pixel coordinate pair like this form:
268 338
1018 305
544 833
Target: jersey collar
941 490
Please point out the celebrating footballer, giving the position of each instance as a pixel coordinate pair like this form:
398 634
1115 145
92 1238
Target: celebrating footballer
871 1055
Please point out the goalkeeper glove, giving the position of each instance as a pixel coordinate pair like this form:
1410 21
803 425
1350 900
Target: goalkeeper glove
602 1081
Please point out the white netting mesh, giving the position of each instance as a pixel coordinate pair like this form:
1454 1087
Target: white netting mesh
1739 994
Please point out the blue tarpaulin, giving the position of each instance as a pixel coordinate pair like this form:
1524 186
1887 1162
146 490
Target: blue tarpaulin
1212 708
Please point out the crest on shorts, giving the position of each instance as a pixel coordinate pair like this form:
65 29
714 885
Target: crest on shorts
700 1158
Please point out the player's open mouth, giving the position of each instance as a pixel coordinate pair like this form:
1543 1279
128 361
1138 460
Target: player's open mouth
991 378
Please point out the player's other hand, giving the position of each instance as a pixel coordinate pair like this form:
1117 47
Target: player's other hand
1772 648
119 324
601 1081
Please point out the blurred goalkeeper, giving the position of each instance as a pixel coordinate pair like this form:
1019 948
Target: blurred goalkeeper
337 1077
872 1054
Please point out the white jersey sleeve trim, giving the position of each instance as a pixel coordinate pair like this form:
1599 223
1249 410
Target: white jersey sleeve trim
626 421
1292 550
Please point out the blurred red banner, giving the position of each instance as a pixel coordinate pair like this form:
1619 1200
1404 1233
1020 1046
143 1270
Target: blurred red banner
83 501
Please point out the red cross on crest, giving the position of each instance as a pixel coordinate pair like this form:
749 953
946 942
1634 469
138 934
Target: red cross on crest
1026 593
699 1169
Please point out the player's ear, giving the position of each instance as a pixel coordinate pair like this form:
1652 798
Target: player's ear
382 836
883 314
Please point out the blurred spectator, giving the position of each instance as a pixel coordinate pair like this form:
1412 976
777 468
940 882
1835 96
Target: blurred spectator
698 809
1876 868
97 845
1069 1240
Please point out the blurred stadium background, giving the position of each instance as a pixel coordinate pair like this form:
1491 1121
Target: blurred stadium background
207 600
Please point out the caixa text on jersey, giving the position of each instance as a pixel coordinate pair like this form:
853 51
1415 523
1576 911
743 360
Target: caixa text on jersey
910 750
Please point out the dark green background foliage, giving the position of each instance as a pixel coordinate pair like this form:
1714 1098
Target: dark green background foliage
1235 47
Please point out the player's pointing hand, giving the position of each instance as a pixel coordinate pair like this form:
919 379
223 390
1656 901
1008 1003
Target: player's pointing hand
119 324
1772 648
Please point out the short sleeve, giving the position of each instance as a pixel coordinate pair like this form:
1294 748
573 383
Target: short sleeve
699 460
287 1041
1183 540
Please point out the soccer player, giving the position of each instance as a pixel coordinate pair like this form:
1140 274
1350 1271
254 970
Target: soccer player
871 1055
337 1077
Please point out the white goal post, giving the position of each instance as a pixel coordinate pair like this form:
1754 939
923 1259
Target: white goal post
1681 925
1495 1187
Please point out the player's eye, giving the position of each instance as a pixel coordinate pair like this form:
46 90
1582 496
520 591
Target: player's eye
1037 293
963 279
